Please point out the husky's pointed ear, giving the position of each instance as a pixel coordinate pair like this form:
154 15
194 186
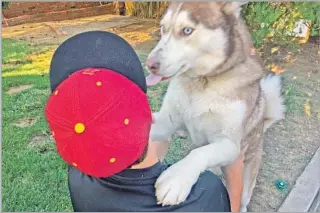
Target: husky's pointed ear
233 8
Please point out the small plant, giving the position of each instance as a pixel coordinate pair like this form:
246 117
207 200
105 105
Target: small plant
310 11
274 21
5 4
152 10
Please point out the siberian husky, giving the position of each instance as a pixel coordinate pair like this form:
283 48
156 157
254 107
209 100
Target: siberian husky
217 94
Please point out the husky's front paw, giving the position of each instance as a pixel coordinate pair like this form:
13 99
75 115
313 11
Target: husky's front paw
174 185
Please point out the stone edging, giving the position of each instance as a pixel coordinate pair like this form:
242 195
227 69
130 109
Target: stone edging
304 196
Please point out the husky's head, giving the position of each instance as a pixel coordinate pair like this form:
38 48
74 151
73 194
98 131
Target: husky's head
196 38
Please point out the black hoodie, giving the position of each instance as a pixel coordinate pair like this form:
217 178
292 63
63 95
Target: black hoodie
133 190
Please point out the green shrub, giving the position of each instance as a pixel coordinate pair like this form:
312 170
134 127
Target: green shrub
310 11
274 21
267 21
5 4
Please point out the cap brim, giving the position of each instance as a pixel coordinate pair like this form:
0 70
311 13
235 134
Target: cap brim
97 49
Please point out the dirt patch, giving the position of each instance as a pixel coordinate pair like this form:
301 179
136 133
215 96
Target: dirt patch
18 89
290 144
39 140
54 33
26 122
41 143
137 34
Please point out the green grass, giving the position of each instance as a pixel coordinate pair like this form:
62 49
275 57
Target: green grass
31 180
13 50
293 98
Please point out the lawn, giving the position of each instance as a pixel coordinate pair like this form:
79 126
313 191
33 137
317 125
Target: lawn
33 175
34 178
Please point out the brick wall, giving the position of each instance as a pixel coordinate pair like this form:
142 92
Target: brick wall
31 12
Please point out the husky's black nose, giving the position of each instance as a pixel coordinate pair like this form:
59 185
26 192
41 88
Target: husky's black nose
153 65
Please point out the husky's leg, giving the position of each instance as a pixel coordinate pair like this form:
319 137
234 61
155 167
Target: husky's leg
174 185
162 130
250 174
166 122
252 162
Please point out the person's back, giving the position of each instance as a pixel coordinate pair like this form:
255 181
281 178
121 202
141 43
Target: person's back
133 191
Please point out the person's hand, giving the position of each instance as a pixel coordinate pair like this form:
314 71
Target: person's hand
162 149
161 146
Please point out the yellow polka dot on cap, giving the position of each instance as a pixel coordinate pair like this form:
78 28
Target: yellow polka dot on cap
112 160
79 128
126 121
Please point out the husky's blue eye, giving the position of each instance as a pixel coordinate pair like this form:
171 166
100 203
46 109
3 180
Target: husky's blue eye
187 30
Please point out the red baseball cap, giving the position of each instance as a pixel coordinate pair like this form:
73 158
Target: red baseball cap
100 121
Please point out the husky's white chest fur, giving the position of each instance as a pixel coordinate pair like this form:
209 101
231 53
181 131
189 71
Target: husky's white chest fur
203 110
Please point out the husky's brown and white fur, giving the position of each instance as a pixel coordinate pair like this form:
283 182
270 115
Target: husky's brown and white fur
217 94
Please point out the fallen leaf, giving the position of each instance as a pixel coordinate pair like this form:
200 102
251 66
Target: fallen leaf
307 109
252 51
274 49
289 58
275 68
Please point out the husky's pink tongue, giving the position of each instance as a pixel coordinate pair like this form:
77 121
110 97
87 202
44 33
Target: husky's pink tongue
153 79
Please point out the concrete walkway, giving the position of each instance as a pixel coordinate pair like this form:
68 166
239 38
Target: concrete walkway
54 33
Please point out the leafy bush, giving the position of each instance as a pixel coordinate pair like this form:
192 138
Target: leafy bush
274 21
5 4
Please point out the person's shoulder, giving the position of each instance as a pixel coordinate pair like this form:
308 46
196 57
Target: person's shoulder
209 178
214 195
210 185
